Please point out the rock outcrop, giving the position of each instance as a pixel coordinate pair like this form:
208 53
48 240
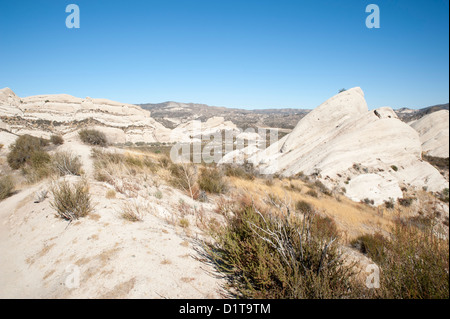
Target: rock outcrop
370 153
43 115
433 130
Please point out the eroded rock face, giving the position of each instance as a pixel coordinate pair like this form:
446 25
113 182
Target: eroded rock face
193 131
433 130
62 114
341 140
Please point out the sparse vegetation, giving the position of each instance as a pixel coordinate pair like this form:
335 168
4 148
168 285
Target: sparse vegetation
132 212
394 168
389 203
264 256
439 162
65 163
56 139
184 176
245 171
414 263
211 180
183 222
444 195
322 188
304 207
312 193
23 149
93 137
158 194
110 194
71 201
6 187
406 202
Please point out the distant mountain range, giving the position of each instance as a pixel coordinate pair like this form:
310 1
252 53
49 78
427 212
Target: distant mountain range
171 114
408 115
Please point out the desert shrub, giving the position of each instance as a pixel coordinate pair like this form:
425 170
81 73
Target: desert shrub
444 195
38 167
439 162
23 149
211 180
304 207
158 194
263 256
368 201
394 168
111 194
132 212
184 176
71 201
420 222
93 137
414 263
322 188
302 177
66 163
245 171
164 162
183 222
56 139
405 201
39 159
371 245
389 203
6 187
312 193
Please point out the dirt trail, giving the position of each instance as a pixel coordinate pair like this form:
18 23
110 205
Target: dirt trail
102 255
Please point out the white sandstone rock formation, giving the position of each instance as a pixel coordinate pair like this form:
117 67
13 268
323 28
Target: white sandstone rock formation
192 131
62 113
347 145
433 130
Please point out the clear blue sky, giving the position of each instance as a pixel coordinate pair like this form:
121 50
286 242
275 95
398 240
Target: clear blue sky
235 53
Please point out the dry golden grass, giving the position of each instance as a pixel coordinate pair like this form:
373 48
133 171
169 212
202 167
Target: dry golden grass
352 219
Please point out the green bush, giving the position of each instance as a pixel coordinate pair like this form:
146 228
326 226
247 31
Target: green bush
312 193
23 149
264 256
371 245
322 188
245 171
93 137
389 203
211 180
405 201
414 263
56 140
6 187
304 207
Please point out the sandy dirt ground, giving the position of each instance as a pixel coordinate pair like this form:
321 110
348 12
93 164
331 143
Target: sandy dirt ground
99 256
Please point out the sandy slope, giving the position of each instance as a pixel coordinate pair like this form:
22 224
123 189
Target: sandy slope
41 254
